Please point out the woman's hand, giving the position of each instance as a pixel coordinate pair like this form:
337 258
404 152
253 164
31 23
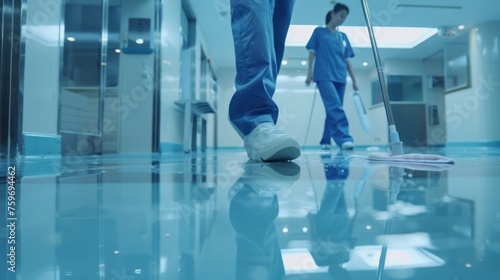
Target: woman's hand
309 79
355 86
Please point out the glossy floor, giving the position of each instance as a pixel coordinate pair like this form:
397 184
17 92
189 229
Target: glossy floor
218 216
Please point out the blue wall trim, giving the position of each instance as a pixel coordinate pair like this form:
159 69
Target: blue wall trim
42 145
487 144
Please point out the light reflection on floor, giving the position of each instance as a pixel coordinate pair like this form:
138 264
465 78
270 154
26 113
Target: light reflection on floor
216 215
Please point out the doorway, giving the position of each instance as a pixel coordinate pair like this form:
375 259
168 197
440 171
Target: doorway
89 76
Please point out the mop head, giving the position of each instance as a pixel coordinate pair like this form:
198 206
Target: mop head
424 159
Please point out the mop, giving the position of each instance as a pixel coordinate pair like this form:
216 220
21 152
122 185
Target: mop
395 144
358 105
360 110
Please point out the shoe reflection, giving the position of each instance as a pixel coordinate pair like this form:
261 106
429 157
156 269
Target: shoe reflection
331 226
253 210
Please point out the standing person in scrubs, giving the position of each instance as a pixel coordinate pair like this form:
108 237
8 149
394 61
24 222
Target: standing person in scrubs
259 32
329 54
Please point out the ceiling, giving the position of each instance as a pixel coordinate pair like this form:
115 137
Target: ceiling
213 18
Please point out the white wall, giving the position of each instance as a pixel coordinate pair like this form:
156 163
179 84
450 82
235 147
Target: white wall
472 112
227 136
41 75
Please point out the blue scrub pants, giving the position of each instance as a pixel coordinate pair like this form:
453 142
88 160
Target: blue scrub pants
259 31
336 124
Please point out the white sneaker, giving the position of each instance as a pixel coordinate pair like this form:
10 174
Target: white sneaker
325 147
267 143
348 145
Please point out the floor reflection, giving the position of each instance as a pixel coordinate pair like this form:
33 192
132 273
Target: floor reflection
219 216
252 212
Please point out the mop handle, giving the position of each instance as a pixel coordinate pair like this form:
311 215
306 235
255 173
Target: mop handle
310 116
380 71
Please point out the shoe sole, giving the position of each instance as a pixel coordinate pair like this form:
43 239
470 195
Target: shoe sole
271 176
289 152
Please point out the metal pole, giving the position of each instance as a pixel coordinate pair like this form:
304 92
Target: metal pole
310 117
380 71
395 144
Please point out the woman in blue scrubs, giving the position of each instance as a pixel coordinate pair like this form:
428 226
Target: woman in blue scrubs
329 53
259 32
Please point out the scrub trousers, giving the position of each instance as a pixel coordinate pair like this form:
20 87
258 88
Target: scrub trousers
336 124
259 32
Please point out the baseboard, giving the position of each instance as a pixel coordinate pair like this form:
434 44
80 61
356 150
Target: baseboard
42 145
166 147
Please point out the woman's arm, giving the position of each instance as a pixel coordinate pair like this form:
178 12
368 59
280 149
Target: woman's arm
351 73
310 68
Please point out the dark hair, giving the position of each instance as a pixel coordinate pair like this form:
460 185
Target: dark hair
337 8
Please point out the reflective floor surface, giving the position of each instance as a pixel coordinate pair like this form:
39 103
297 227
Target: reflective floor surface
216 215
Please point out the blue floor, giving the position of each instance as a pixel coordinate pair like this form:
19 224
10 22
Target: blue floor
215 215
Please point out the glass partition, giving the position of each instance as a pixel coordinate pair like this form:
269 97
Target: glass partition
400 89
456 67
90 71
82 45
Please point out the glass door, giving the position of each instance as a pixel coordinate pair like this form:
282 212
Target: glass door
10 47
89 75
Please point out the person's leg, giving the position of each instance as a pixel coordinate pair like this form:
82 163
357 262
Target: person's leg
259 32
326 138
343 126
336 118
252 26
341 91
282 17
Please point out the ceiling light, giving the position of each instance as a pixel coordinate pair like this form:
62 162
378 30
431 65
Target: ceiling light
461 27
71 39
386 37
284 62
365 64
303 62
